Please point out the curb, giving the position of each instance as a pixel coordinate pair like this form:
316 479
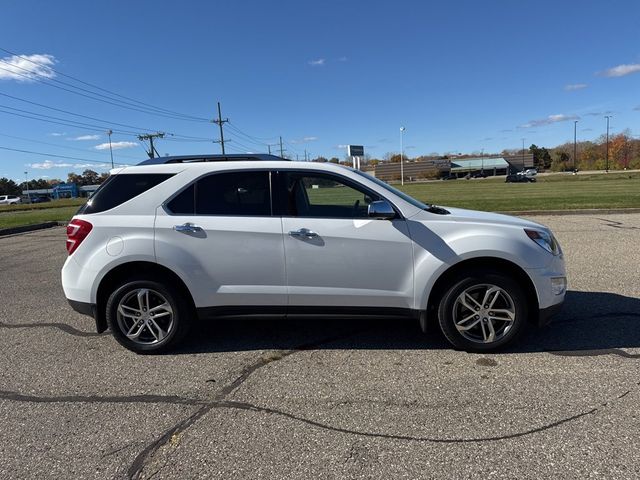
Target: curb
30 228
586 211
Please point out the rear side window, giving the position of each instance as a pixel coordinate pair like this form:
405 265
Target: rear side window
118 189
233 194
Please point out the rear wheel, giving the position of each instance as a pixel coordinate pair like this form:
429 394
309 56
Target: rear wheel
147 316
483 311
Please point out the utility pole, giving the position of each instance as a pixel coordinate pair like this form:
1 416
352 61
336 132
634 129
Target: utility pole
305 154
109 132
482 160
522 154
220 122
281 150
150 136
575 124
607 164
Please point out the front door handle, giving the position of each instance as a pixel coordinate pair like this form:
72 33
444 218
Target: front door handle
187 227
303 233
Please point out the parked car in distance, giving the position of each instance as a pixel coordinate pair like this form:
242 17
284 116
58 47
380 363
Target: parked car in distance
40 199
479 175
450 177
173 240
530 172
518 178
9 200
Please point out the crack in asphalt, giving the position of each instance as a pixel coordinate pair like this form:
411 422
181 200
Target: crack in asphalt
170 399
596 353
60 326
614 224
324 426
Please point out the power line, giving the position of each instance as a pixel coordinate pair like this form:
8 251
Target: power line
74 114
98 99
260 140
106 122
52 82
104 89
68 147
57 156
81 124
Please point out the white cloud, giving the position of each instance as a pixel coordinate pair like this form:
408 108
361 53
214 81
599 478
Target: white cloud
25 68
48 165
116 145
57 134
86 137
343 59
575 86
621 70
319 62
341 146
304 140
560 117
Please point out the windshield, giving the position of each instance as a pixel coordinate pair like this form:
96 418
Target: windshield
395 191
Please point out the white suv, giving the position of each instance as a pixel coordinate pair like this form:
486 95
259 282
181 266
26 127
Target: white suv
9 200
169 241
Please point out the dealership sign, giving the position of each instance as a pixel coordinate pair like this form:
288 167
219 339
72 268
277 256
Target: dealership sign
355 150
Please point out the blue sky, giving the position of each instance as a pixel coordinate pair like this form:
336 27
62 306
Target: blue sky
461 76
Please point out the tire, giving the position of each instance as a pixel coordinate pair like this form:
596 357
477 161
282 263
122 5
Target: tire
469 325
146 316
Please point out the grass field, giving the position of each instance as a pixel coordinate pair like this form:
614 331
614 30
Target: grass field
553 192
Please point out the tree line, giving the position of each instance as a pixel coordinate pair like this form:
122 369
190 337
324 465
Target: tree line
88 177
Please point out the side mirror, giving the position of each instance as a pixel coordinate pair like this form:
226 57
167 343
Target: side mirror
381 210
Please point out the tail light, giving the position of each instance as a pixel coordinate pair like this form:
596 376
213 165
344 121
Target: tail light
77 231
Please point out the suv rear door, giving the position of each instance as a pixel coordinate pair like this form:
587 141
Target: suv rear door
220 235
335 255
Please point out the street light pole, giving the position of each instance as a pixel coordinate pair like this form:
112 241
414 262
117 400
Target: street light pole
402 129
482 160
575 124
109 132
26 181
607 154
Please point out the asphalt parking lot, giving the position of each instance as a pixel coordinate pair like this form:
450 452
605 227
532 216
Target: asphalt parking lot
326 399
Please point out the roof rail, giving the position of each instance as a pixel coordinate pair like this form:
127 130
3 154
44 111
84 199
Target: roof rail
262 157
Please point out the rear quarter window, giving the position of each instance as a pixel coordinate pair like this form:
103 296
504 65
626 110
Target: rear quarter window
121 188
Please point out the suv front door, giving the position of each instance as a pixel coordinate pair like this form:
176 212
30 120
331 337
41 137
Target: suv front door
335 255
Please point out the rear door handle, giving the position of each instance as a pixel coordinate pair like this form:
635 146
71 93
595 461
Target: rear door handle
187 227
303 233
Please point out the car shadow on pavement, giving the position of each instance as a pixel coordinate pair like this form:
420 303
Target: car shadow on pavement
588 321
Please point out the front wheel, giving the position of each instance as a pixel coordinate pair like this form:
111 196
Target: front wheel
147 316
483 311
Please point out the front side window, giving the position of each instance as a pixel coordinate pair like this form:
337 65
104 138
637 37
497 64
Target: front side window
319 195
233 194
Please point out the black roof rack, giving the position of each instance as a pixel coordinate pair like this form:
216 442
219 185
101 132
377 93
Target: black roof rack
261 157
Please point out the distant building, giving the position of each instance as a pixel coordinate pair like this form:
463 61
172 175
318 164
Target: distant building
63 190
460 167
412 170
